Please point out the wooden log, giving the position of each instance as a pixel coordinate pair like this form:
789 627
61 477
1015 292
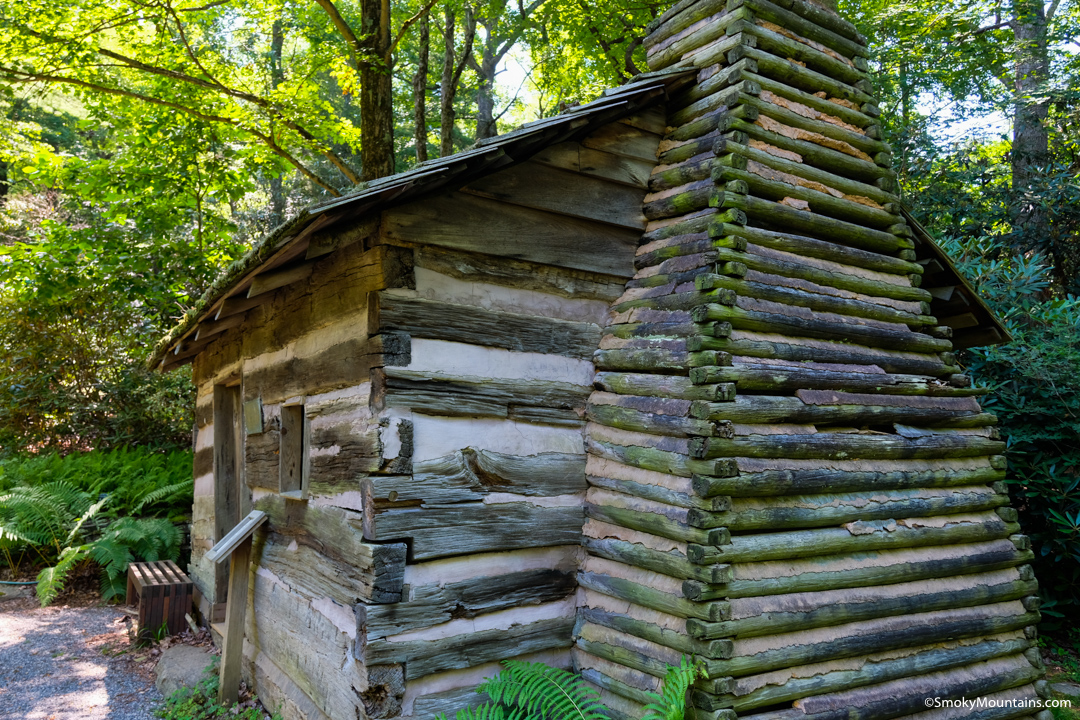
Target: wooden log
434 604
654 524
810 247
839 446
803 511
822 351
469 475
756 377
876 636
803 78
656 359
823 16
802 54
857 537
424 657
464 324
628 331
233 638
807 28
783 216
274 279
856 409
667 563
654 633
724 100
637 421
598 164
910 565
670 386
655 459
806 298
682 246
908 696
690 170
677 201
799 482
709 123
867 604
679 20
814 149
820 325
464 528
930 659
667 54
651 598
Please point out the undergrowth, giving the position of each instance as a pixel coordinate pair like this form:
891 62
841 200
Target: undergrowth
200 703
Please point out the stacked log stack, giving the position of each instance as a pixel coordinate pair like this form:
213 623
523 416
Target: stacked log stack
790 478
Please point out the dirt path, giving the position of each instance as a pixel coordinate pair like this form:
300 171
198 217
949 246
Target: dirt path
62 663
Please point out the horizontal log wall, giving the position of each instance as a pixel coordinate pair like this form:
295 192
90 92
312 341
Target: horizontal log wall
789 478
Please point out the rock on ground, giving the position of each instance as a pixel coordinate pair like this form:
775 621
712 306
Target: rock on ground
1068 689
61 663
181 666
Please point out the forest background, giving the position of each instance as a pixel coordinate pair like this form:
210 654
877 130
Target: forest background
145 144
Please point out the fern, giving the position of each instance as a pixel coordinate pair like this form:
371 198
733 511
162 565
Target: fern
166 492
51 581
670 703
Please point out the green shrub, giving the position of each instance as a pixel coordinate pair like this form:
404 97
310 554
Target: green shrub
200 703
535 691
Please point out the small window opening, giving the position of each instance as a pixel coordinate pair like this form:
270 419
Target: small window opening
292 471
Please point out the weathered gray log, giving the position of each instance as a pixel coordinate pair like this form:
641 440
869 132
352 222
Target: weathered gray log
464 528
654 633
860 537
655 524
800 482
651 598
841 446
430 605
989 556
670 563
803 511
773 377
810 247
670 386
424 657
924 597
856 409
468 475
931 659
778 214
476 326
637 421
662 329
661 494
815 326
651 458
910 631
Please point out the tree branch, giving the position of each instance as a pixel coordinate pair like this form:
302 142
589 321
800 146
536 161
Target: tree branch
20 76
407 24
346 32
1052 10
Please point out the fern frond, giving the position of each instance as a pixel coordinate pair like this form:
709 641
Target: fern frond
544 692
671 703
86 516
51 581
163 493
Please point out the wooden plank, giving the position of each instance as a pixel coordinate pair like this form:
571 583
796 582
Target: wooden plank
211 328
268 281
239 304
542 187
341 236
228 544
466 222
621 139
833 397
597 163
460 323
232 651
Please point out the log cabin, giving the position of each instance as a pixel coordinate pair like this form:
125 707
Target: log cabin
670 374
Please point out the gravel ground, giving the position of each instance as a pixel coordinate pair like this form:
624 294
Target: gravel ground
69 663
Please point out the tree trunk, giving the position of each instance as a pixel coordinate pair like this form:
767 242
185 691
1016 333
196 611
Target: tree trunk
451 76
376 91
485 95
277 76
420 92
1030 145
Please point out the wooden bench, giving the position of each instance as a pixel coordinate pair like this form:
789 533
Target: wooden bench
163 594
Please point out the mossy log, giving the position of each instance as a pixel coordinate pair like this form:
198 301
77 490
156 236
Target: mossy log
671 564
658 493
807 511
658 460
761 378
650 330
805 55
666 54
721 100
845 445
825 351
679 201
798 76
819 302
779 215
710 123
909 566
656 524
811 247
806 28
820 14
651 598
928 660
654 423
855 409
819 325
801 482
657 359
683 245
861 537
678 18
669 386
673 639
